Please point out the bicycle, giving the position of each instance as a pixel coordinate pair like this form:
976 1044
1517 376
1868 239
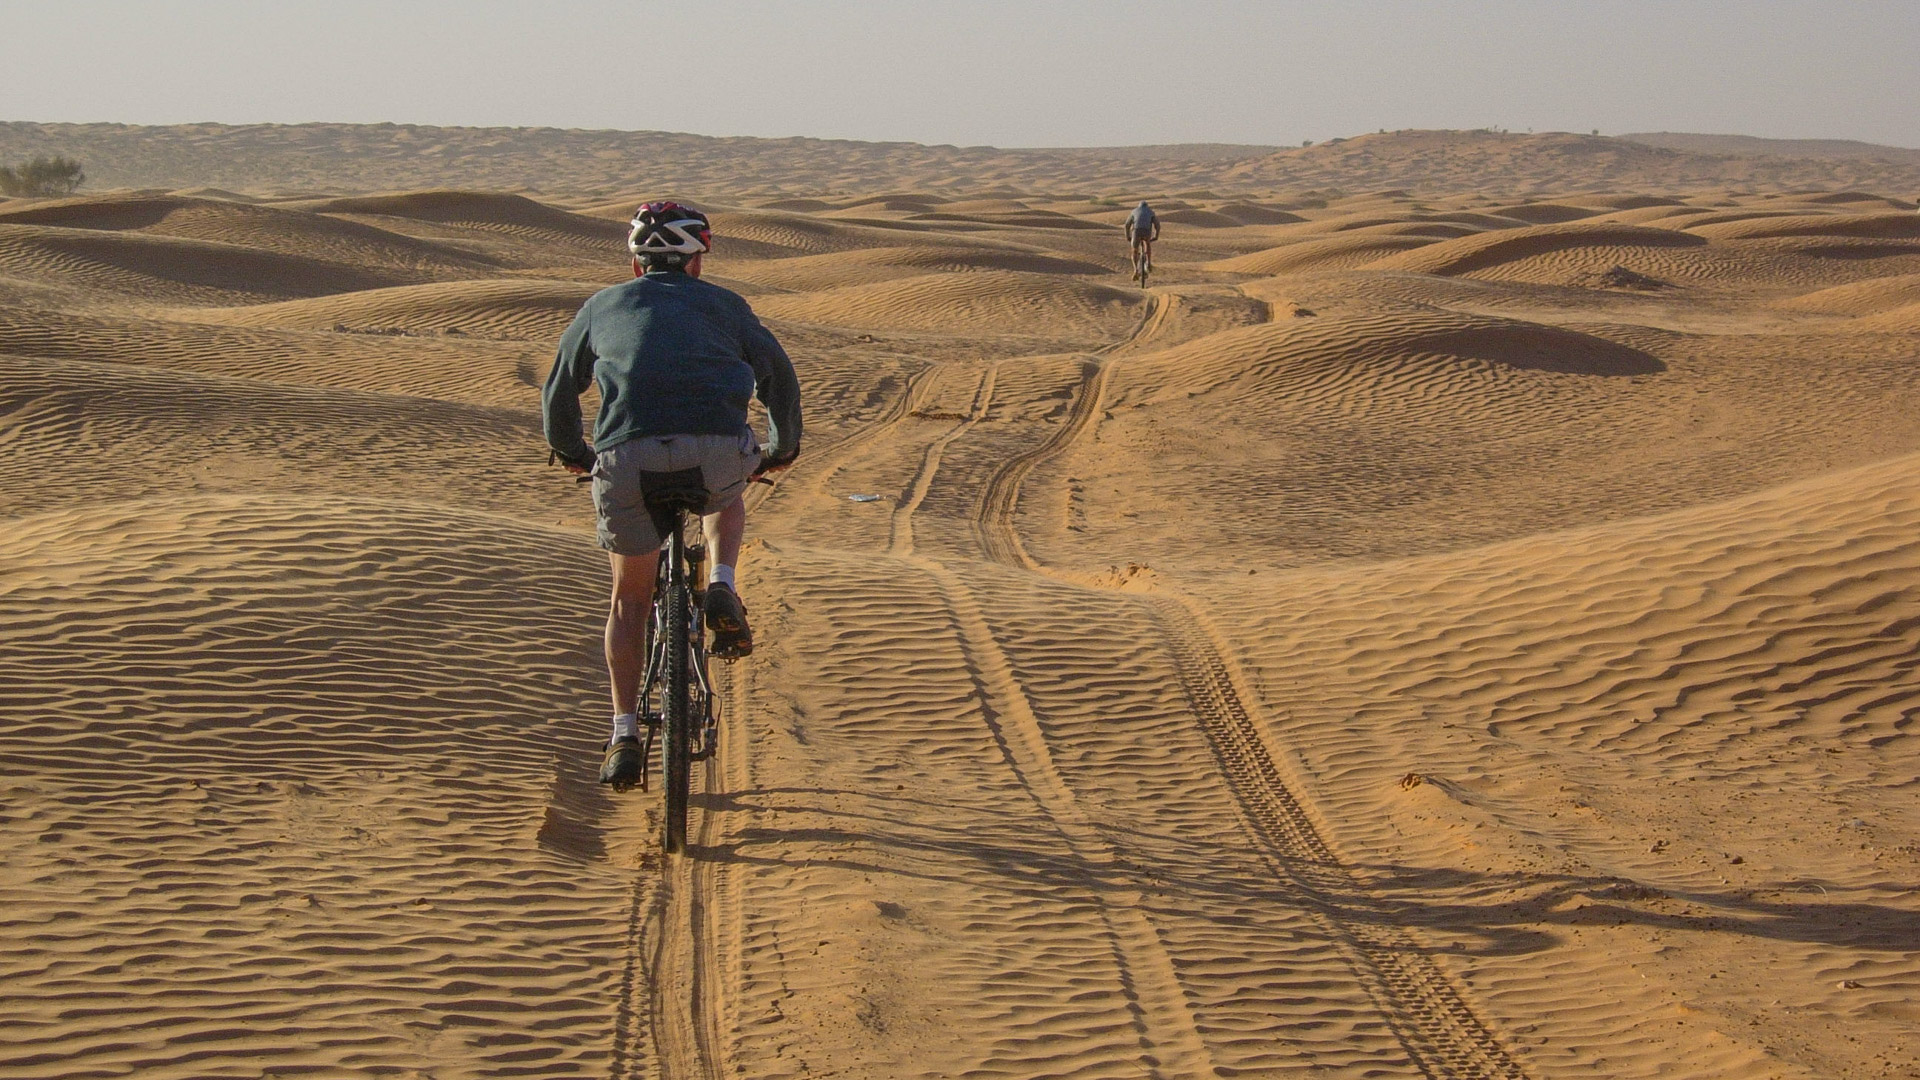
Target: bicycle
677 702
1142 261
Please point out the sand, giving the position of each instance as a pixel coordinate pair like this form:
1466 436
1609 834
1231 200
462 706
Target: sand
579 168
1397 643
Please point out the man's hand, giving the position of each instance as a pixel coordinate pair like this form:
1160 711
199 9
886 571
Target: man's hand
577 468
774 468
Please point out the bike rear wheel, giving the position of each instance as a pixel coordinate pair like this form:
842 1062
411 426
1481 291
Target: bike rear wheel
678 710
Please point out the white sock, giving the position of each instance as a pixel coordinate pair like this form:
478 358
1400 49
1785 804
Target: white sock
626 726
722 575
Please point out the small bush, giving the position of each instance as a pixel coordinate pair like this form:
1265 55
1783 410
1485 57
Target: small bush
43 176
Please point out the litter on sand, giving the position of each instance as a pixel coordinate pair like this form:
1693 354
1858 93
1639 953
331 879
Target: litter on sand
865 498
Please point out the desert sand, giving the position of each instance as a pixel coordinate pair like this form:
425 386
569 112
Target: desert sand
1465 635
224 160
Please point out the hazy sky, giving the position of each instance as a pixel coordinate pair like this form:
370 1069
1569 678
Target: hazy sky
1025 73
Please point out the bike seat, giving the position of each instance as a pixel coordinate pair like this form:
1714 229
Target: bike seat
670 494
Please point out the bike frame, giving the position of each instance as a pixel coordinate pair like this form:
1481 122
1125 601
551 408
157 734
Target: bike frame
677 699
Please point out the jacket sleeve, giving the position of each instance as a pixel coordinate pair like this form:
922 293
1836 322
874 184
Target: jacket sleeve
776 385
560 402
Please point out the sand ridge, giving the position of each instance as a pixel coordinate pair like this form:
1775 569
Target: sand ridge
332 158
1416 637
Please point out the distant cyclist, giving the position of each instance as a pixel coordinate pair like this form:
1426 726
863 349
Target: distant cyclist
1143 228
676 360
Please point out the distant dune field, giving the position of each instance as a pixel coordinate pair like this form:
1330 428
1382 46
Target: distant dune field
1439 632
842 177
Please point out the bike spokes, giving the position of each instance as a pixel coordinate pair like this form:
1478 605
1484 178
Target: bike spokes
649 726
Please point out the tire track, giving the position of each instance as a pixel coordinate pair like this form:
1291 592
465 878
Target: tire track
1160 305
900 526
685 1020
834 457
695 908
1170 1036
1440 1030
686 969
628 1036
993 515
674 1020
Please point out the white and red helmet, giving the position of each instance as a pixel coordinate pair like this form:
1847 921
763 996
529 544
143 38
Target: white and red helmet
668 234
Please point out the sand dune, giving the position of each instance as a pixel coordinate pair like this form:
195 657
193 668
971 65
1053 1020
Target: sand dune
1420 636
473 208
1900 320
1401 217
249 739
1338 252
1861 297
158 269
993 301
1346 348
1545 213
867 265
287 232
510 231
307 158
515 308
1875 226
224 434
457 369
764 234
1754 647
1487 250
1255 214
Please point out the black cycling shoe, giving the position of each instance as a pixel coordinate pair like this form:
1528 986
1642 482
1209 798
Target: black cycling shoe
621 766
727 617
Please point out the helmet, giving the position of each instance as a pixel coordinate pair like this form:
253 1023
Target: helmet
667 234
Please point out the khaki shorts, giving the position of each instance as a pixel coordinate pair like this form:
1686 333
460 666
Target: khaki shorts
726 464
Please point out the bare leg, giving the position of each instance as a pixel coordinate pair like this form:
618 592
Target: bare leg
627 623
725 528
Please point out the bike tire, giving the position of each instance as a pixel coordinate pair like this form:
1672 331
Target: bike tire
676 764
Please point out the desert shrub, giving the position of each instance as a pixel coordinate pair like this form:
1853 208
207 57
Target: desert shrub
42 176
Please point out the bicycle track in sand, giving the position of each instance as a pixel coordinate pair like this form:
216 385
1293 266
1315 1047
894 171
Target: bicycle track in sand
1213 940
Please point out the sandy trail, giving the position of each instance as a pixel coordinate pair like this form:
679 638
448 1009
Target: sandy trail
1398 1000
1388 647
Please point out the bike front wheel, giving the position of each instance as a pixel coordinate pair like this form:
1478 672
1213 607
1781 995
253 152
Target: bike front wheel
678 727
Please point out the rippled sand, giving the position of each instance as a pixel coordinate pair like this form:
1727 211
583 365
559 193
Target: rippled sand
1465 637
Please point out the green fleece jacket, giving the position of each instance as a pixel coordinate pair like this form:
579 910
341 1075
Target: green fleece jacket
672 355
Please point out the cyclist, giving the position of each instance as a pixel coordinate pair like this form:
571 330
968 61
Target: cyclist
676 360
1143 228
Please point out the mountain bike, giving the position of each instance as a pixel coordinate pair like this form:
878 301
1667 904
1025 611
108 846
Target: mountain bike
1142 261
677 703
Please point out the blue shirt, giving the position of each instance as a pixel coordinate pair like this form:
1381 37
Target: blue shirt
1140 222
672 355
